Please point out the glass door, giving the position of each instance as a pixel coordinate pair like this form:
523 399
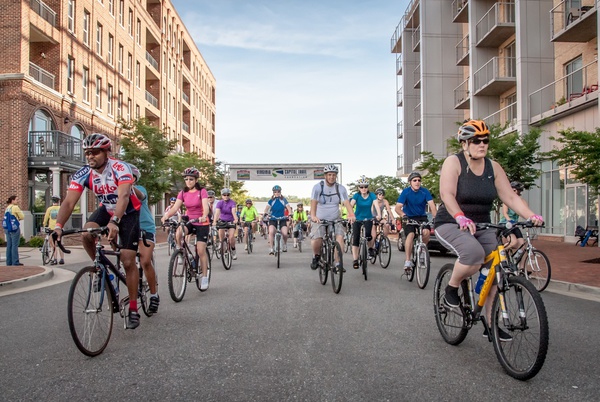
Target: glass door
576 211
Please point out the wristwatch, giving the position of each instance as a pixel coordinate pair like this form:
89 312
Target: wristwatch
115 220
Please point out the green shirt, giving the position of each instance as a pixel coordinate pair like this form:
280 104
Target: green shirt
249 214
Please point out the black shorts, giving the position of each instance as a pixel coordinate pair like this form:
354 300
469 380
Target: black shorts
129 228
356 231
411 228
273 222
201 232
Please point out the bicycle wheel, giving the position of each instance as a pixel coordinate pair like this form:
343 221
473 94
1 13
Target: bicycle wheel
385 252
323 264
337 267
177 275
46 252
527 323
170 244
422 266
144 293
450 323
248 241
226 256
347 241
410 274
401 241
278 242
363 257
536 268
90 312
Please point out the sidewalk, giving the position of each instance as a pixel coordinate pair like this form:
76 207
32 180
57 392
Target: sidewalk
575 270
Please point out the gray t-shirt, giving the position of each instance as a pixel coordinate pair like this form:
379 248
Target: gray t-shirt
328 203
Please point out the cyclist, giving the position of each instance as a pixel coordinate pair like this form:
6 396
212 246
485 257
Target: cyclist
50 223
276 208
211 203
195 199
147 232
299 218
365 202
249 215
411 204
469 184
226 214
326 197
384 205
515 239
177 216
112 182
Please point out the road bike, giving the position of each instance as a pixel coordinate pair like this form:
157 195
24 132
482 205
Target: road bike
93 298
278 239
225 252
420 255
48 253
363 249
331 257
347 236
249 237
533 264
517 311
184 267
383 247
300 237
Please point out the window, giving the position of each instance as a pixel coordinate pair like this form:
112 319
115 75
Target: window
109 96
121 11
86 27
128 109
99 39
111 7
129 66
574 77
130 23
70 74
71 16
138 32
137 74
120 62
98 92
84 84
511 60
111 45
137 111
120 105
511 104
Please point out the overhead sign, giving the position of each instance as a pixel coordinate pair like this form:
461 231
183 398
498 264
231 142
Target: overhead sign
276 172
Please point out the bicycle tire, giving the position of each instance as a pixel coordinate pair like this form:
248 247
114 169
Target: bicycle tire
401 242
226 256
450 323
363 258
278 241
90 328
300 245
347 242
323 268
170 244
337 270
248 241
177 275
538 272
385 252
528 328
144 294
46 252
411 273
423 266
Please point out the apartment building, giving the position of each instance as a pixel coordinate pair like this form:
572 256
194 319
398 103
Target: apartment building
519 64
74 67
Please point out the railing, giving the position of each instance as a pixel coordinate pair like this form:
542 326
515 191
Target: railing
400 130
185 97
397 36
506 116
152 99
496 68
417 115
41 75
567 12
54 144
499 13
399 97
461 92
416 38
563 91
457 6
44 11
417 76
417 152
462 49
399 63
400 163
185 127
151 60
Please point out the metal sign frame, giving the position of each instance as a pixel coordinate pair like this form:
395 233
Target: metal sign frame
283 171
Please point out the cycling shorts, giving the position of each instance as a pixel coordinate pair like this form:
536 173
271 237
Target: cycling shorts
129 228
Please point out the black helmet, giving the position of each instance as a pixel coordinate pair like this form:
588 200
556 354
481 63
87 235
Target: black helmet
55 198
414 174
380 191
517 185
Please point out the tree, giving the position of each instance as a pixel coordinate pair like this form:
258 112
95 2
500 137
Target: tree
580 151
147 147
392 186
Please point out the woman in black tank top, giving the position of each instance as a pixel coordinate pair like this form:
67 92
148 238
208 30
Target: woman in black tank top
469 183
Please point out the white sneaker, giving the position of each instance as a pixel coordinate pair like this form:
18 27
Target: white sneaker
233 255
408 264
295 245
285 248
204 283
245 247
271 251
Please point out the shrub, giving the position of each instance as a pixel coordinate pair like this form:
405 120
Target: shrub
36 241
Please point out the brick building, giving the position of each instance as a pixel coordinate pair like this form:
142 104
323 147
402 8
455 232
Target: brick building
73 67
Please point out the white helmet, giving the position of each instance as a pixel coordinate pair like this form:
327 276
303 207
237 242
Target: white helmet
362 181
330 169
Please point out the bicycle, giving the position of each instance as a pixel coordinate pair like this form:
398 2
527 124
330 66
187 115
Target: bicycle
363 249
212 244
184 267
278 240
533 264
249 237
420 256
331 257
48 253
171 244
300 237
383 247
239 234
94 299
347 236
225 253
517 309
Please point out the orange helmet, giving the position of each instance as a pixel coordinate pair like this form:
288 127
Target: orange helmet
472 128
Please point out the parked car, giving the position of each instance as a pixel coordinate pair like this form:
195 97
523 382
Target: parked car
434 244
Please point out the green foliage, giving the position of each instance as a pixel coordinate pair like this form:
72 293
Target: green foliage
148 148
392 186
36 241
2 242
22 242
431 180
580 151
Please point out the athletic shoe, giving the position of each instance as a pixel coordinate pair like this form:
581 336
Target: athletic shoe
315 263
52 262
503 335
355 264
271 251
451 297
61 262
154 302
285 248
295 245
133 321
233 255
204 283
245 247
371 252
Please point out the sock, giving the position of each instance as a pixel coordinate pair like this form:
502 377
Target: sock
133 305
153 294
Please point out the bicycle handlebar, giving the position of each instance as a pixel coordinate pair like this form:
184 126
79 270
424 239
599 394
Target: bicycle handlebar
506 225
101 230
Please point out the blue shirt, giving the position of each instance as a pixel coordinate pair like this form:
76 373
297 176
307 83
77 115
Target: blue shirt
414 202
147 223
363 206
277 207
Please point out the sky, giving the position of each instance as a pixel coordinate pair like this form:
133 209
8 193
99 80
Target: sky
301 82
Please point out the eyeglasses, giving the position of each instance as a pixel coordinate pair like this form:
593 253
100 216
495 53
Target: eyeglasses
210 196
363 186
94 152
190 179
416 180
226 195
478 141
379 193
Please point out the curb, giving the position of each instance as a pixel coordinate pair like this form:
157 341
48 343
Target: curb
574 289
31 280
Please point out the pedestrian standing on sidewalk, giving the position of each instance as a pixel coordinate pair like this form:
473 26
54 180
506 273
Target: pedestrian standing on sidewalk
13 237
50 223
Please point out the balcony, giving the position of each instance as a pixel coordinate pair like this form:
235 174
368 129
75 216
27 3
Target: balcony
496 26
572 22
495 77
460 10
185 97
152 99
506 118
41 75
417 152
44 11
400 164
399 64
569 94
185 127
417 77
151 60
416 39
399 100
54 148
462 96
417 115
400 130
396 40
462 52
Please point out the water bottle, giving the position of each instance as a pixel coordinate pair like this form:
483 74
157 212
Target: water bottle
115 282
482 277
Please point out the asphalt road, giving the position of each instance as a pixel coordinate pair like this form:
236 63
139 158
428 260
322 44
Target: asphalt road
266 334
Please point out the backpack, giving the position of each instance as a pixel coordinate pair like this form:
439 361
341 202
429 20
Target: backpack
337 191
10 223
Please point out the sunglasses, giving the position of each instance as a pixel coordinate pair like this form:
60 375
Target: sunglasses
478 141
190 179
226 195
92 152
363 186
416 180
